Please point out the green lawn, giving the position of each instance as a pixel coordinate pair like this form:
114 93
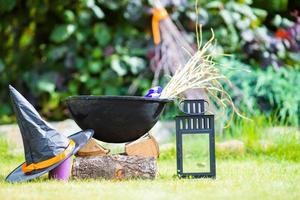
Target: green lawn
267 167
256 178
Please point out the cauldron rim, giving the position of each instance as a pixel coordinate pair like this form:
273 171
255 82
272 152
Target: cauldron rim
111 97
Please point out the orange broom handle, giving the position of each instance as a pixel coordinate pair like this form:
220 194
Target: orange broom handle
158 14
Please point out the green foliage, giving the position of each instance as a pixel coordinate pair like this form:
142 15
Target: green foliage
272 5
278 88
229 20
271 92
62 32
7 5
245 30
53 50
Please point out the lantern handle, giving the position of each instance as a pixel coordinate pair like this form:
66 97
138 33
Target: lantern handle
200 113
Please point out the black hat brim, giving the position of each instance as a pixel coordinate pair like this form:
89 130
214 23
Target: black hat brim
80 139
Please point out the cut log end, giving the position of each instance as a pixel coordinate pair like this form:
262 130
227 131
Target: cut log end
147 147
92 148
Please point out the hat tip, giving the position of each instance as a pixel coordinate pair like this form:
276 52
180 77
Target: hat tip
11 87
12 90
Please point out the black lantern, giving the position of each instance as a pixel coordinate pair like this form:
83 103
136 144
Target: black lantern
195 141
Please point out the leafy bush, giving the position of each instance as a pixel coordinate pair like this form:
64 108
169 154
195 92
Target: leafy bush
270 92
248 32
53 50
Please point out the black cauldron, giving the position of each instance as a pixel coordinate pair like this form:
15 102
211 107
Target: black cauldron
116 119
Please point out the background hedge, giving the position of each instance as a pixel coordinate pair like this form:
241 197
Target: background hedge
53 49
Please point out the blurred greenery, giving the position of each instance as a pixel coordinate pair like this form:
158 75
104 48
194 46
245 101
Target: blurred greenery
244 139
51 50
195 153
260 139
267 92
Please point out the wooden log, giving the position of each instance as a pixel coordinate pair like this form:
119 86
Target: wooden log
114 167
146 146
92 148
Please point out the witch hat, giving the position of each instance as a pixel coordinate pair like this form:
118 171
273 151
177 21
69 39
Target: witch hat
44 147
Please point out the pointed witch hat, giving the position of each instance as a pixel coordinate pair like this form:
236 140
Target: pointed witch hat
44 147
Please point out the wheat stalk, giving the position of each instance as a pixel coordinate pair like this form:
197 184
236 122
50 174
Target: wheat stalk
201 72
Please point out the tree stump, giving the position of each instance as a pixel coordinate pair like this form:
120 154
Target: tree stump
114 167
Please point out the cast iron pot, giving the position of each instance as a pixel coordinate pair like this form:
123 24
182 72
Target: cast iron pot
116 119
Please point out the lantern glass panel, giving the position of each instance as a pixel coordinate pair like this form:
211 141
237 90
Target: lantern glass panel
195 152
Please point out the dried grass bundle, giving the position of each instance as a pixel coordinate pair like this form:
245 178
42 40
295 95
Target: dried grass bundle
195 73
201 72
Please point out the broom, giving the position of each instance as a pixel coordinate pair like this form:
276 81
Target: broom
172 49
201 72
195 73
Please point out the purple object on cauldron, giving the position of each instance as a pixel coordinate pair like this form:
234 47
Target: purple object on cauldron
154 92
62 171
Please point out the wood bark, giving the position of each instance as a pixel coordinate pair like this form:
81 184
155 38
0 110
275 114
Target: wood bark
114 167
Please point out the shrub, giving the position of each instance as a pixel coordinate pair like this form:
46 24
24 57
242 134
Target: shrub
53 50
50 50
270 92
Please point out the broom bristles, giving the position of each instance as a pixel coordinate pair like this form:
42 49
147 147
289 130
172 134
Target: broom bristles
201 72
191 69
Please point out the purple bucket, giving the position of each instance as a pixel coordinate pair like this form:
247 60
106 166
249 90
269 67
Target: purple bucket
62 171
